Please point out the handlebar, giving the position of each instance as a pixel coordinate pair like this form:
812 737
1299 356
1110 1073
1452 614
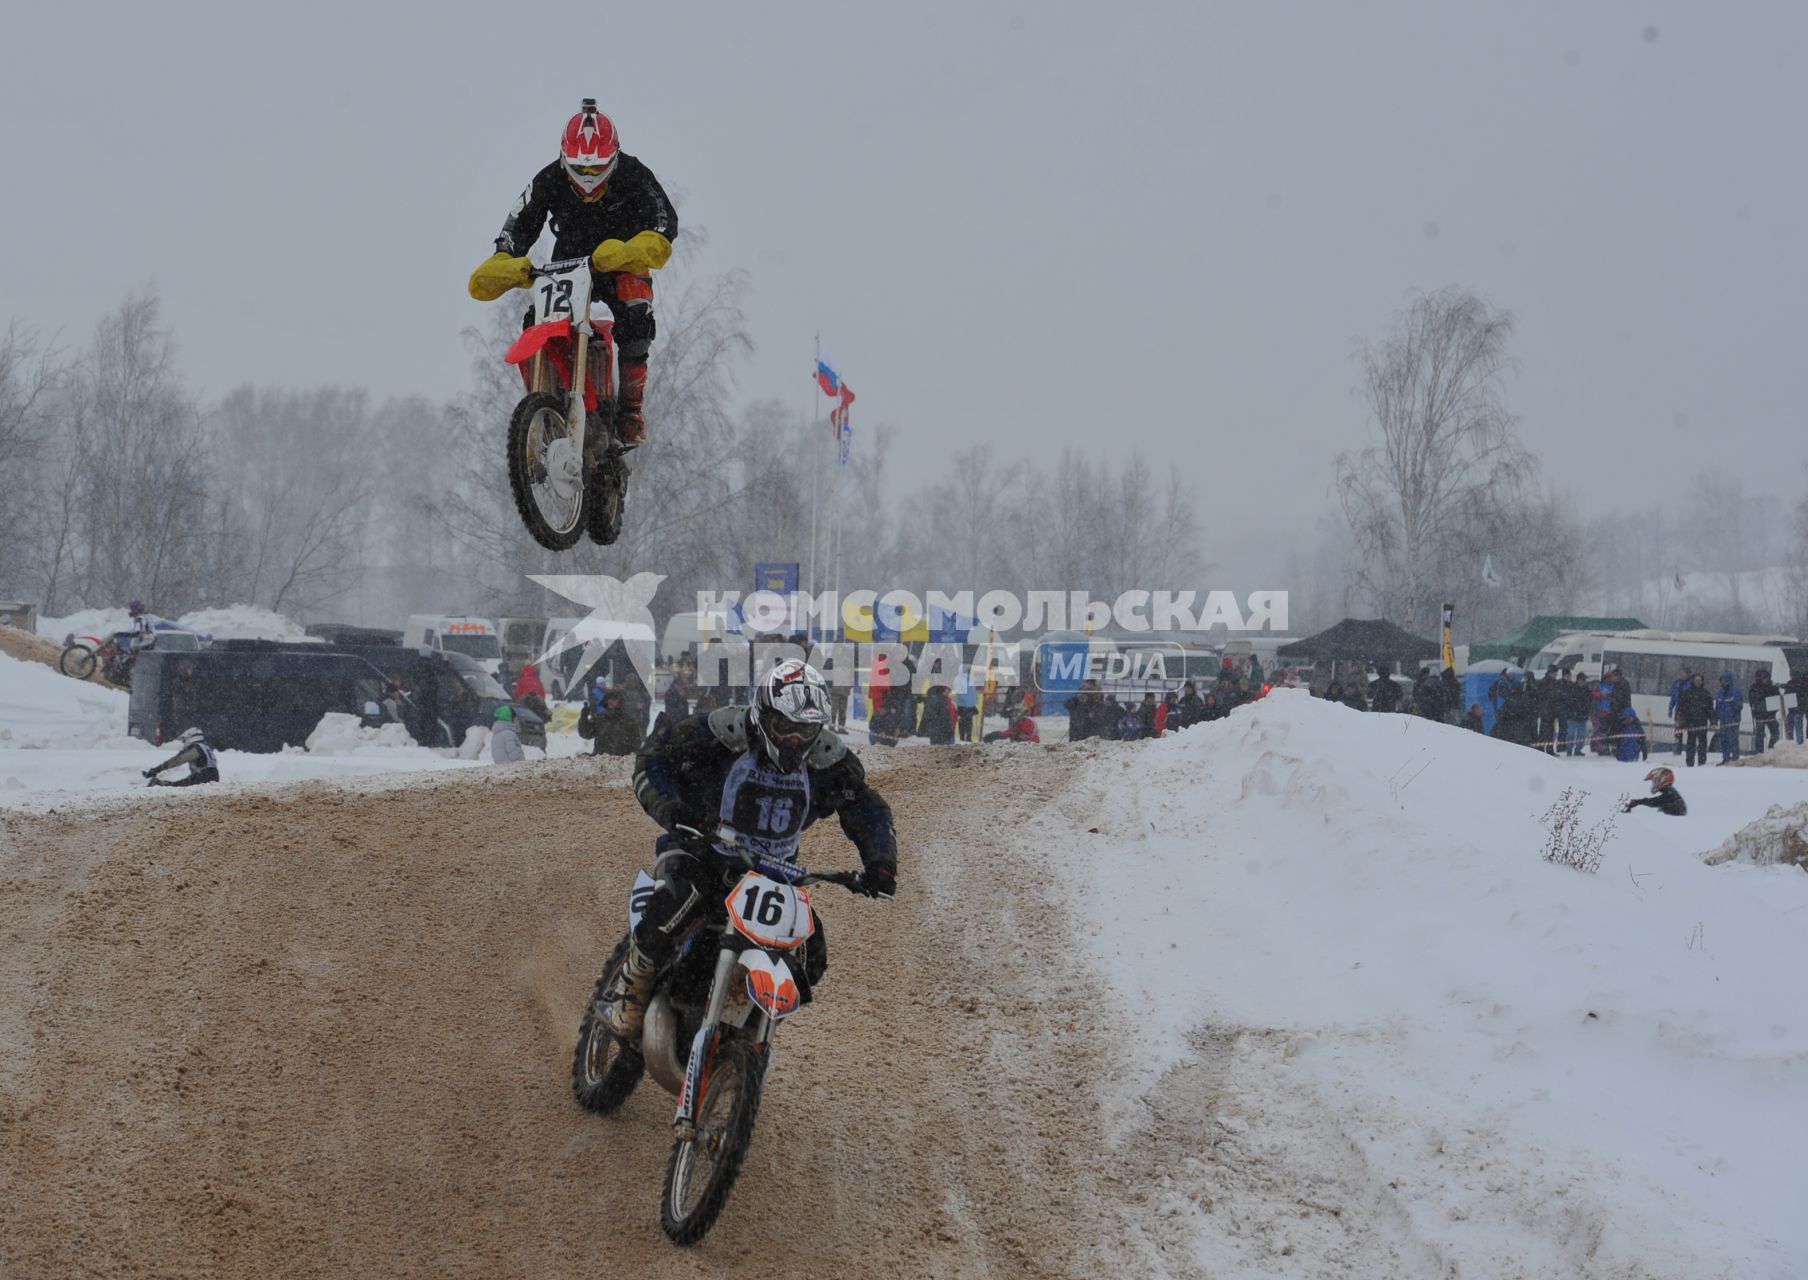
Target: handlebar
556 268
784 872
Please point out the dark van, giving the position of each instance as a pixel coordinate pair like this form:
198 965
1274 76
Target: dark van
247 695
446 694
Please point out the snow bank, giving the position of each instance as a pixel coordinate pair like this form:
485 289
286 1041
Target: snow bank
238 622
340 734
242 622
41 709
1340 923
1785 755
1781 835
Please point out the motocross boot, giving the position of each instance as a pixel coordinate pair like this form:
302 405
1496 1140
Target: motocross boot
630 426
624 1005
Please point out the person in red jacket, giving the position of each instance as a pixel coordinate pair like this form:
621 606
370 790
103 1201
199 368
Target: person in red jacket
530 693
1022 727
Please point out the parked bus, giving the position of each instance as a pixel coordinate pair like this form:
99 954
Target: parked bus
1652 662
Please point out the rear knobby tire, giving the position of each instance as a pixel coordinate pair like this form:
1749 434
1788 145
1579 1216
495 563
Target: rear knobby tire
604 505
604 1071
77 661
526 465
724 1131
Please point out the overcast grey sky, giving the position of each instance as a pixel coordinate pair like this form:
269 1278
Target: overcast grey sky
1119 225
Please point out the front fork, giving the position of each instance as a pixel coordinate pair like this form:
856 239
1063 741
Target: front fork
580 368
703 1044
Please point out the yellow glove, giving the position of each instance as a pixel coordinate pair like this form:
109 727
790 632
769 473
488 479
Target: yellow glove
496 275
647 251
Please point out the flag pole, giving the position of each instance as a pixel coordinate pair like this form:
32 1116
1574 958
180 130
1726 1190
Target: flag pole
813 452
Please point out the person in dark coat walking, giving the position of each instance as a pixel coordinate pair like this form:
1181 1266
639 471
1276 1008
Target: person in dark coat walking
1085 714
1574 701
938 715
1547 706
1694 713
1452 689
1797 688
1473 720
1353 696
609 724
1190 710
1762 695
1384 694
1515 721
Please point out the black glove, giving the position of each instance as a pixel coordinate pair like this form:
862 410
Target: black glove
879 880
150 773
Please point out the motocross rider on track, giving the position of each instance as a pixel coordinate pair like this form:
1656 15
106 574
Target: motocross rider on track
607 206
768 770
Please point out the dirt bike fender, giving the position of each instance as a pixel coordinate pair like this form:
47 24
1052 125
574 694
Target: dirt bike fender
771 984
532 340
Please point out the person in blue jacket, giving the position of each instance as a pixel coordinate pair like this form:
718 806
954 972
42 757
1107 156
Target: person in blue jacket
1676 687
1630 743
1729 704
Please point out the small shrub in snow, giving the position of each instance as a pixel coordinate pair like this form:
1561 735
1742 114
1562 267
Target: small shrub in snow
1566 842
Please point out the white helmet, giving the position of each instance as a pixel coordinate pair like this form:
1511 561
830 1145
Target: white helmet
190 737
789 709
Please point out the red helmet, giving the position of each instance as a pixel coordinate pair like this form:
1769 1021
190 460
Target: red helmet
589 150
1660 778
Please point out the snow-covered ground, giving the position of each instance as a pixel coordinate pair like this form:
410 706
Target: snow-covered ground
239 622
1352 962
61 737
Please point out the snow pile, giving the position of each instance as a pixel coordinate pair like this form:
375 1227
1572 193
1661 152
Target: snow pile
341 734
1785 755
1781 835
242 622
239 622
1377 1025
40 709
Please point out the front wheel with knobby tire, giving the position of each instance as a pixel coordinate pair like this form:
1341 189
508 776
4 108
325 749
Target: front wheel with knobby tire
703 1167
604 1071
77 661
546 471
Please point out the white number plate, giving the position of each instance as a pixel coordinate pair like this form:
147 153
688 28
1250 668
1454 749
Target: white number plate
562 296
770 914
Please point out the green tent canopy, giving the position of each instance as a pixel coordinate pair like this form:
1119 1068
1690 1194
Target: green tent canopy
1540 631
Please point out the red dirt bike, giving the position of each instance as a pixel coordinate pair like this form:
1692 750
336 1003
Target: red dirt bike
113 657
567 468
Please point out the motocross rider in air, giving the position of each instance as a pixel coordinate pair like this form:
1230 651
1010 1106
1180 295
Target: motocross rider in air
607 206
767 770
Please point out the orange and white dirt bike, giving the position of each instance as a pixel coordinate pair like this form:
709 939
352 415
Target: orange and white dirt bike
708 1032
567 468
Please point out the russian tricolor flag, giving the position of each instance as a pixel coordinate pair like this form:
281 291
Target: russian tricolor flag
827 378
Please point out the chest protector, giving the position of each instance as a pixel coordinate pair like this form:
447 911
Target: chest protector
766 805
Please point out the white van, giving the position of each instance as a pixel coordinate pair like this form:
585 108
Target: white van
1652 661
476 638
686 632
563 675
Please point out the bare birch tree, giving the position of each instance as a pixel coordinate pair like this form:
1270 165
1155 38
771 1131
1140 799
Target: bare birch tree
1434 389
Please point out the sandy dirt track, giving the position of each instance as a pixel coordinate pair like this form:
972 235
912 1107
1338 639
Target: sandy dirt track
322 1031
